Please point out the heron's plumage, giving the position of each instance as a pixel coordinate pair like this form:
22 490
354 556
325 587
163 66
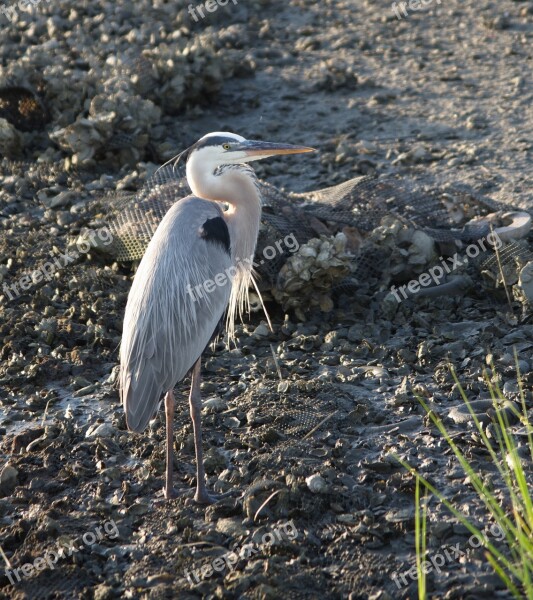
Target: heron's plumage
243 218
166 327
216 231
172 312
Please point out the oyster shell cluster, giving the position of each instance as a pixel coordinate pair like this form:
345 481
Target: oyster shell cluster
114 103
307 278
410 250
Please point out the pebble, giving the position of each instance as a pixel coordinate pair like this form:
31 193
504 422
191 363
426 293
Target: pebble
261 331
317 484
9 475
104 430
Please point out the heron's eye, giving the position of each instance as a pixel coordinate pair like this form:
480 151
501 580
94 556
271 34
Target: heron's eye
226 146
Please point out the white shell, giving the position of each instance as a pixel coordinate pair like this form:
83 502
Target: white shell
316 483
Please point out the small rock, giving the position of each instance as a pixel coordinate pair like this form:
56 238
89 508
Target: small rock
62 199
261 331
85 391
215 403
231 527
283 387
9 475
100 430
103 592
8 480
417 154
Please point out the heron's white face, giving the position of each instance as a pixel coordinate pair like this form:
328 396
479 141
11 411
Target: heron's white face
224 148
219 149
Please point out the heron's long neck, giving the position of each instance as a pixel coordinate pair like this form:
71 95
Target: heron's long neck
237 186
243 218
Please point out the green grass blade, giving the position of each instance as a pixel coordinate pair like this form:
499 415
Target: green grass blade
420 543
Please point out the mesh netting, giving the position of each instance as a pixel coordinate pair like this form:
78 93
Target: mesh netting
22 108
362 202
516 253
504 269
65 582
297 416
286 421
135 217
365 203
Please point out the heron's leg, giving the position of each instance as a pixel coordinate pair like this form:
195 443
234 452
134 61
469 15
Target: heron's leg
169 413
195 400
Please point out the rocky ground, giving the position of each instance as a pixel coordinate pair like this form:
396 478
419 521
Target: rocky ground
301 422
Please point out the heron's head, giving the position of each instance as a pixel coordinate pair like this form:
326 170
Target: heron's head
215 152
223 148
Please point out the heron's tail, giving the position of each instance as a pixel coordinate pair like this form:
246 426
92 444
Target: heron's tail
140 399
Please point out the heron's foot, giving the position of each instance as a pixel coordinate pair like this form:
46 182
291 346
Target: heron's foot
204 497
170 493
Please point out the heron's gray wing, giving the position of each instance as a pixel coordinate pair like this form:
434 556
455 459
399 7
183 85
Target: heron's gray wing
179 294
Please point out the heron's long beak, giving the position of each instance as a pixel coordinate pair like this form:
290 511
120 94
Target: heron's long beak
258 149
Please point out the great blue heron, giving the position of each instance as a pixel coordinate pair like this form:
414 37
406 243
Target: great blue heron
197 265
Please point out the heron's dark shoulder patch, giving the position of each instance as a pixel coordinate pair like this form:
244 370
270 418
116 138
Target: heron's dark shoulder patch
216 231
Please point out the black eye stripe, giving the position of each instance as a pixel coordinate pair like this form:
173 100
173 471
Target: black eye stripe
218 140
